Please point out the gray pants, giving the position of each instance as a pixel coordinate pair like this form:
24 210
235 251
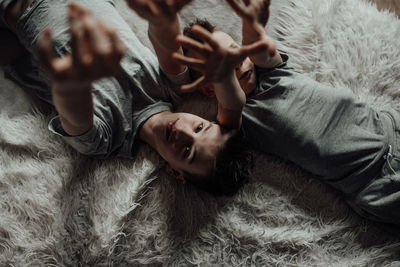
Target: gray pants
380 199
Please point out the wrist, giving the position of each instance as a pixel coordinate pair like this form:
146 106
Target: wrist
229 93
252 32
163 35
229 78
164 23
72 88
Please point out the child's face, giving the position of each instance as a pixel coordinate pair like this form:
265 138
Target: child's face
245 72
189 143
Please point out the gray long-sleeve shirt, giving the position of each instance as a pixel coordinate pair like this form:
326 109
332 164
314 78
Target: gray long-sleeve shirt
325 130
121 103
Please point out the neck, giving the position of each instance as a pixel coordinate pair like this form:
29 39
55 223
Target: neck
146 132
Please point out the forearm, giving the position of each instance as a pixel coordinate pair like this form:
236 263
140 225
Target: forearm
229 94
231 100
264 59
163 38
75 108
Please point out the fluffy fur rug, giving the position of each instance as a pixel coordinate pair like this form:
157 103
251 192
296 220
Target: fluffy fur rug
61 209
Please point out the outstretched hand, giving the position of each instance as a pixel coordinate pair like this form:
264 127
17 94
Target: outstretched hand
213 60
96 51
255 15
157 11
252 11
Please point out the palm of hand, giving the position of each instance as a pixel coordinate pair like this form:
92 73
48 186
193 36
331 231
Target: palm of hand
96 51
221 62
260 9
72 73
214 60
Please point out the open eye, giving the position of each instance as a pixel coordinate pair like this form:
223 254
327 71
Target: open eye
199 128
187 151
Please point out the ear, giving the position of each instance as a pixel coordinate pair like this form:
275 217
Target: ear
178 175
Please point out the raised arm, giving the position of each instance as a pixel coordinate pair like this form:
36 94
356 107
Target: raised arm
255 15
96 52
217 61
163 29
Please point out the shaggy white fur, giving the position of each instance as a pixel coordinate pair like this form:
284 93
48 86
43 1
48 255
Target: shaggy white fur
59 208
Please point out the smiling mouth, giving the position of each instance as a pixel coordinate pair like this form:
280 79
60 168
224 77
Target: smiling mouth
169 128
246 75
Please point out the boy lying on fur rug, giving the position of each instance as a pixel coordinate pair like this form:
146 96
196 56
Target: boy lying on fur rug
111 116
325 131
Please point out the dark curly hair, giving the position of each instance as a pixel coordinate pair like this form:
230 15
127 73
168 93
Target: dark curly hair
233 167
187 31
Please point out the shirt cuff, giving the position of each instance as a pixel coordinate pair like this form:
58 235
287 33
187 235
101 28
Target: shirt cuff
179 79
83 143
285 59
55 127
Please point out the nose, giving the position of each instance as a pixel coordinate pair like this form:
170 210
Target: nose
183 135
